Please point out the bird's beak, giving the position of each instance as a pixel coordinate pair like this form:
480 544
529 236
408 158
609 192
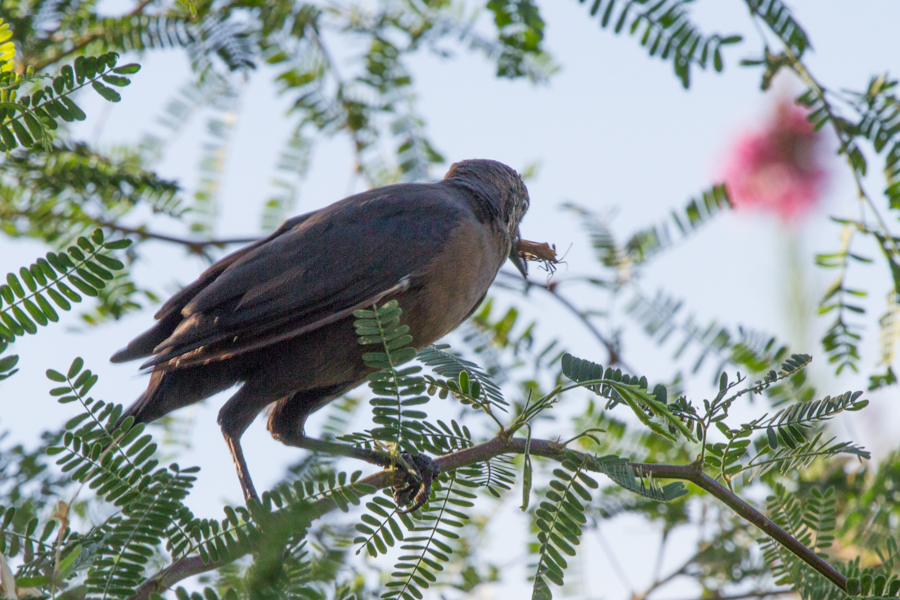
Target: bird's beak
517 259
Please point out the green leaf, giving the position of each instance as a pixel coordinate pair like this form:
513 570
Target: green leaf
68 563
75 369
37 131
59 299
76 113
116 81
83 287
129 69
55 376
117 244
107 92
9 140
15 285
8 362
23 319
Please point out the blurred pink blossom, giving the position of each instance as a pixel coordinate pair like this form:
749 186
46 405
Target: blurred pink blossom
778 168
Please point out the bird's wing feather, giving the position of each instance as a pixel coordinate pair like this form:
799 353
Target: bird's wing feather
344 257
169 315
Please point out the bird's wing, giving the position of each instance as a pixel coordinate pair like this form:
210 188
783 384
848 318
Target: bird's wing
169 315
342 258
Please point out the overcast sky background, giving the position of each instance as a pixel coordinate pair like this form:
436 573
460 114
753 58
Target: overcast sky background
613 131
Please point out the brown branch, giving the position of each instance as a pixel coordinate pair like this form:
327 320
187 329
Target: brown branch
194 246
550 449
748 595
695 475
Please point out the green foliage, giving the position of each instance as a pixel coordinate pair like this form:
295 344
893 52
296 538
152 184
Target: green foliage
24 304
293 164
85 265
118 476
789 440
104 453
464 379
753 351
620 388
653 240
625 475
500 330
665 30
214 154
380 527
29 120
841 339
436 539
873 117
559 521
521 31
778 17
115 460
648 242
787 445
7 363
78 187
56 189
813 521
397 392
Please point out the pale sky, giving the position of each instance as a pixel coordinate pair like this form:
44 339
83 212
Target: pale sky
613 131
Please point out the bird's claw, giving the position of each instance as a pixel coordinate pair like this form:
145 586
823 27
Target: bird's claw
417 490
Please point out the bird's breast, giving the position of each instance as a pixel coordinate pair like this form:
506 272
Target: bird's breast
452 285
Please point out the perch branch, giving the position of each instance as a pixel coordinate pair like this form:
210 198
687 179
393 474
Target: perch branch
193 565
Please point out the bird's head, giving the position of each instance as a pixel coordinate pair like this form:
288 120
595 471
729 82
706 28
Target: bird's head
502 193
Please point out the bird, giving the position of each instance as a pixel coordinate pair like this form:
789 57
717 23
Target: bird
276 317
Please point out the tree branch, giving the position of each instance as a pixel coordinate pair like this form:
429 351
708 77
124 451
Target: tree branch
549 449
758 594
194 246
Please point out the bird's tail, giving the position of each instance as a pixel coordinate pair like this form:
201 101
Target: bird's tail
170 390
142 408
138 410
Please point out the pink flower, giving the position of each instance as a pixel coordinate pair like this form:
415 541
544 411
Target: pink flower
778 168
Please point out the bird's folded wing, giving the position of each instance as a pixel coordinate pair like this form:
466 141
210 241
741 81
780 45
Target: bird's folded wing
347 256
169 315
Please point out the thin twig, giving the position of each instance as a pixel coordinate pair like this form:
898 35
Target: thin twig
194 246
660 582
614 358
613 560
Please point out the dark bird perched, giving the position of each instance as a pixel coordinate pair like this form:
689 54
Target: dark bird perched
277 316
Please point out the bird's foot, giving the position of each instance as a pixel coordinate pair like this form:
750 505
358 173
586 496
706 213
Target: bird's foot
417 490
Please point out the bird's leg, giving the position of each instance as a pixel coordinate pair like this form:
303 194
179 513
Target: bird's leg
234 418
315 445
234 445
289 414
286 425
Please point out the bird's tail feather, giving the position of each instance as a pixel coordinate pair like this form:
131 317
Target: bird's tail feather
142 408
